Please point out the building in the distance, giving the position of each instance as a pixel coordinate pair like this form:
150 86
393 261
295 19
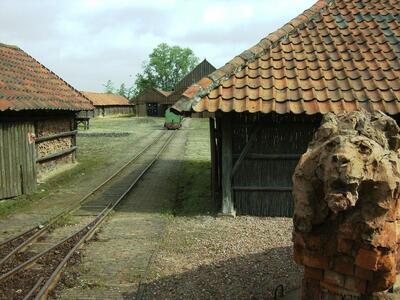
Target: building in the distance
107 104
154 102
37 121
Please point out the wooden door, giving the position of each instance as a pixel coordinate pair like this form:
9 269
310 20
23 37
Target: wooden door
17 159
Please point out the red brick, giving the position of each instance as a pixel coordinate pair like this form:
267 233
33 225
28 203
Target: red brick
334 278
313 242
330 248
381 281
344 265
298 239
315 261
386 238
344 245
298 255
363 273
310 289
355 284
313 273
367 259
333 290
387 262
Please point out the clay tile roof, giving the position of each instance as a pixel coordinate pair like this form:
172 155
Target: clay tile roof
102 99
26 84
339 55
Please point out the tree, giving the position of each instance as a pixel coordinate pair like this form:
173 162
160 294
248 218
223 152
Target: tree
122 90
109 87
167 65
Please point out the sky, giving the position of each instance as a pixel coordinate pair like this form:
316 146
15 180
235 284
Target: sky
87 42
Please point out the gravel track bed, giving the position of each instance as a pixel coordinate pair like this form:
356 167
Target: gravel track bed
224 258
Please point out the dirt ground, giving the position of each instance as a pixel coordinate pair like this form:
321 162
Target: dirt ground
98 158
166 242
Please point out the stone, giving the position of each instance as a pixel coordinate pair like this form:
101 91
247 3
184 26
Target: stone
367 259
346 190
334 278
313 273
344 265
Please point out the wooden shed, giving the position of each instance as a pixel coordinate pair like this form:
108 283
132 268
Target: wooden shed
107 104
202 69
37 127
337 56
152 102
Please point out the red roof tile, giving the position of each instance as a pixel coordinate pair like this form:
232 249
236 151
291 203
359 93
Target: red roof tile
102 99
338 55
27 84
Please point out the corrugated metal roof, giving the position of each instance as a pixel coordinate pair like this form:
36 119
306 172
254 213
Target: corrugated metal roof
25 84
101 99
339 55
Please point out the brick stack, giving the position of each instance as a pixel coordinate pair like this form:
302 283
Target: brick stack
347 217
337 265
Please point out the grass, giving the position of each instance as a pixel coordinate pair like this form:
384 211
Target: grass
194 196
98 158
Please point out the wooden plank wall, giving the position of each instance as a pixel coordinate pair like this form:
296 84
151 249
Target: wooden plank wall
263 181
17 159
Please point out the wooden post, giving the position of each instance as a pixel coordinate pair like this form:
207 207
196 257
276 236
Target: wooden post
227 194
213 163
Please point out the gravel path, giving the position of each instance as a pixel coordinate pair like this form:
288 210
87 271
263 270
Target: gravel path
224 258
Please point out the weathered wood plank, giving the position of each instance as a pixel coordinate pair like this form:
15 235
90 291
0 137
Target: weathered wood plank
227 195
263 188
55 136
57 154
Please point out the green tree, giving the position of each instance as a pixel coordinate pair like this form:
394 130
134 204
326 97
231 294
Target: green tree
109 87
167 65
122 90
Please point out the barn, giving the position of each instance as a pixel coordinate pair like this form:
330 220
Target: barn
337 56
107 104
152 102
202 69
37 128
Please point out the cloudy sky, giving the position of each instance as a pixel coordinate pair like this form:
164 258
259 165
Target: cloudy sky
87 42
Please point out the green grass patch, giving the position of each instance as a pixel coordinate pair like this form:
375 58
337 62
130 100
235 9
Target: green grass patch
98 158
194 196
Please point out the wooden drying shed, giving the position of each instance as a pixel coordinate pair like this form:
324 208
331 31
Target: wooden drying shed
152 102
107 104
37 127
339 55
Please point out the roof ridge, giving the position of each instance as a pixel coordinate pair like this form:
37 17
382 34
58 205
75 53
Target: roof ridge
208 83
10 46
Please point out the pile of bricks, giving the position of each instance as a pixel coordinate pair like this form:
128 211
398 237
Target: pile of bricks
337 265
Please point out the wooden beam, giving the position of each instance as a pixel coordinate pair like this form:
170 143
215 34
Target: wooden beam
213 163
252 138
263 188
270 156
55 136
57 154
227 194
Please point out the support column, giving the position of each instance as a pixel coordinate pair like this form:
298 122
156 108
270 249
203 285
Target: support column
227 194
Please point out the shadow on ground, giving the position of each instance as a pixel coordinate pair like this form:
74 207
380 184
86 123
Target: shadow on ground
247 277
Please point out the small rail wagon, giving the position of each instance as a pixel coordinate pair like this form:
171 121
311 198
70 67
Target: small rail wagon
173 121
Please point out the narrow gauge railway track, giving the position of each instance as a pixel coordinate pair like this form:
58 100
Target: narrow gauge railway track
18 243
34 270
